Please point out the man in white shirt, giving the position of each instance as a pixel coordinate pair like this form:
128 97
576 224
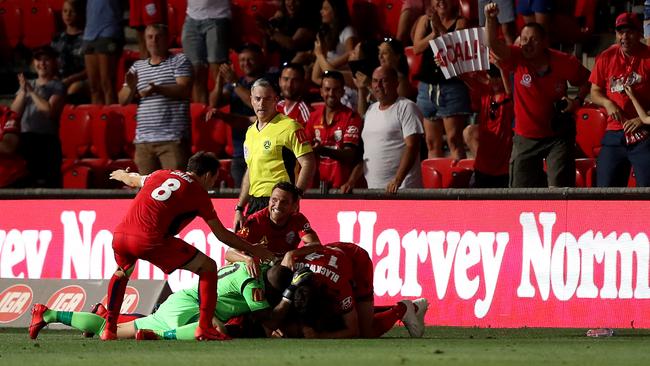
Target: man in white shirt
391 136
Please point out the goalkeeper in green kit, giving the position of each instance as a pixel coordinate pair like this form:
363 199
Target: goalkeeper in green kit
177 317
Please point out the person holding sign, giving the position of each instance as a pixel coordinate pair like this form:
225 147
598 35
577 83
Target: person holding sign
544 122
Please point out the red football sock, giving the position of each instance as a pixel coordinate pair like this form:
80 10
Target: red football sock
207 298
382 322
125 318
116 289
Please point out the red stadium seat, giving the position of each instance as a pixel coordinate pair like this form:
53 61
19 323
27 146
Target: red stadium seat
414 62
434 170
75 131
246 14
585 172
631 182
40 24
77 176
591 123
465 163
108 133
11 26
129 113
123 65
211 135
390 11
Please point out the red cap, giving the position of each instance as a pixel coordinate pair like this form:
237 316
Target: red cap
629 20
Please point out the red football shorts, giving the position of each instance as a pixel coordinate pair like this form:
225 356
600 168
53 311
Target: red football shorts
363 273
145 12
168 254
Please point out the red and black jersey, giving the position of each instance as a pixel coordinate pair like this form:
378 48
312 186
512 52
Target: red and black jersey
279 239
168 201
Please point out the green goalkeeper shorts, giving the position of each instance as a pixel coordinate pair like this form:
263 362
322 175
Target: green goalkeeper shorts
179 309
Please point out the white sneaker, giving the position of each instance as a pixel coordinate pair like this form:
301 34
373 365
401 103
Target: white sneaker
414 320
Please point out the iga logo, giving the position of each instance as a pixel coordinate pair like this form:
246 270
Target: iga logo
131 300
14 302
69 298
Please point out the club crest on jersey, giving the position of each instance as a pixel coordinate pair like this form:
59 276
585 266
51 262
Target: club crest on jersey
291 235
338 135
346 304
526 80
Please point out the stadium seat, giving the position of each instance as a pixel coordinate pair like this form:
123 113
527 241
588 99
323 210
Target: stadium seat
585 172
129 113
631 182
123 65
246 15
11 26
208 135
176 11
591 123
77 176
433 171
42 25
108 133
75 131
390 11
414 62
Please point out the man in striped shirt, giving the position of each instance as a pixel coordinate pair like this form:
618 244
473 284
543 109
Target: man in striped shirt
292 86
162 87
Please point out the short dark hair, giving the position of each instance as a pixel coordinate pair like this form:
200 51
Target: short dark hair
293 66
333 74
253 47
537 27
279 277
203 162
162 28
290 188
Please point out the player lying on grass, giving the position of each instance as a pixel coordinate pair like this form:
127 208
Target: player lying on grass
342 287
280 227
176 318
167 202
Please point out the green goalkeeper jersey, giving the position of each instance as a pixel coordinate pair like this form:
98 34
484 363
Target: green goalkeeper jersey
237 292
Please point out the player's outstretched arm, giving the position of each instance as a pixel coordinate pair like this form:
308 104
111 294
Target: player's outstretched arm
130 179
233 241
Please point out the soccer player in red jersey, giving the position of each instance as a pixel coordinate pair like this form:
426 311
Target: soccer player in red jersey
346 271
167 202
280 227
335 133
292 88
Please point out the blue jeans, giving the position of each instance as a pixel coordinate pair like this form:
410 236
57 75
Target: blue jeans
616 158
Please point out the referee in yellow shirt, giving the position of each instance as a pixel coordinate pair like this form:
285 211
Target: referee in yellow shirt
272 145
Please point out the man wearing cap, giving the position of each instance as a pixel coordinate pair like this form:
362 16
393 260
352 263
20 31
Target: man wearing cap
38 104
544 126
626 142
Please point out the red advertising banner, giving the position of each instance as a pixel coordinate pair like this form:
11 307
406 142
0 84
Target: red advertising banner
479 263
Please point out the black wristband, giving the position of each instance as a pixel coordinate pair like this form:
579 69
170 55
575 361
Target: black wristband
239 208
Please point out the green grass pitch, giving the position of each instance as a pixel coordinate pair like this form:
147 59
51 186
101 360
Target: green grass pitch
440 346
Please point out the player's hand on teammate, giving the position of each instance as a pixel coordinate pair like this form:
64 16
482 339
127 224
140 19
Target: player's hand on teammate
252 266
238 221
287 260
261 253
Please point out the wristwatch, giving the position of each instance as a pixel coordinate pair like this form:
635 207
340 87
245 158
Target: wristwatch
234 85
239 208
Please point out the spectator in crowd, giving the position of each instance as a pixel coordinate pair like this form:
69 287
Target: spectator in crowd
163 82
292 88
234 91
38 104
391 137
626 143
103 41
272 145
491 139
537 11
143 13
506 18
336 39
292 30
205 38
335 133
12 166
439 98
544 124
69 45
391 54
646 21
364 59
410 12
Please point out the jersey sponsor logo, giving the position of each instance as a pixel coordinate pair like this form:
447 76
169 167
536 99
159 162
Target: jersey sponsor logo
14 302
290 237
301 136
69 298
131 300
352 131
526 80
346 304
258 294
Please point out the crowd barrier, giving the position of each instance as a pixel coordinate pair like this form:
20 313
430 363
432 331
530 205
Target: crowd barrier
497 258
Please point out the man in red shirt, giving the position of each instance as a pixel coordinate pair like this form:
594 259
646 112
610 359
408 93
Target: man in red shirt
540 90
167 202
292 88
626 142
279 227
343 278
335 132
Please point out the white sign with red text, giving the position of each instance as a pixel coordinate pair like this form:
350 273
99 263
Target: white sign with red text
480 263
461 52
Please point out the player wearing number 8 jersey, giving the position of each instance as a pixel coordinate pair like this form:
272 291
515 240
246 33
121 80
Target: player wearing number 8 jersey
167 202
